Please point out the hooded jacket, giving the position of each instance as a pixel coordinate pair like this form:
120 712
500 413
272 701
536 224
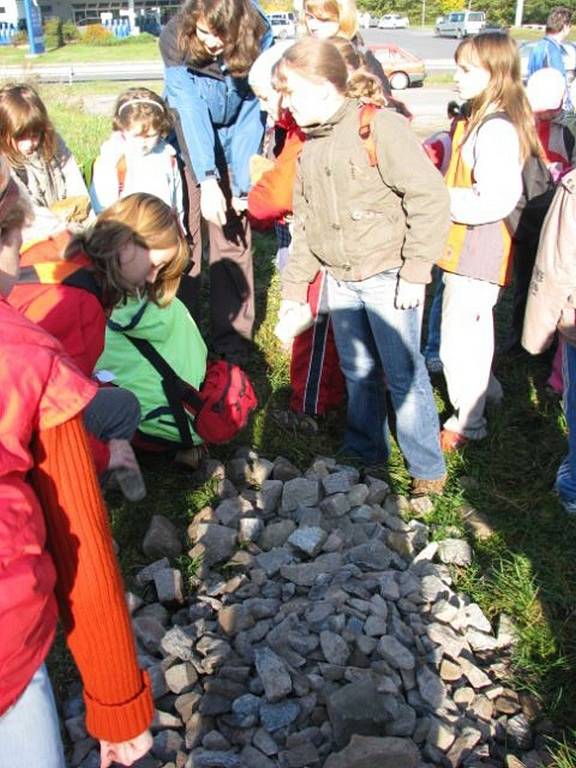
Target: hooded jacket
175 336
358 220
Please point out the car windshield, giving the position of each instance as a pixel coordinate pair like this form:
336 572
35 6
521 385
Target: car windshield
476 17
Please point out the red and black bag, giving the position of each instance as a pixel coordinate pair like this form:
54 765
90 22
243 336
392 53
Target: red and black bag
220 408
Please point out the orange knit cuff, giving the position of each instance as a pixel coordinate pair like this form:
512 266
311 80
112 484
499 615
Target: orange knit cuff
120 722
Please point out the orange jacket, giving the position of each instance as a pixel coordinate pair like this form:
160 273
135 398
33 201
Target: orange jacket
270 199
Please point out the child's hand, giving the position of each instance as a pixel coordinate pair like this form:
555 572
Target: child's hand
212 202
125 752
293 319
408 295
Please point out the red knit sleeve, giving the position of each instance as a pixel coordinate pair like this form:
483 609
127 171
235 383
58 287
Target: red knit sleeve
90 591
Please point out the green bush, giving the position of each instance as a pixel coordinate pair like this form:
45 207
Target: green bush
20 38
70 32
53 37
96 34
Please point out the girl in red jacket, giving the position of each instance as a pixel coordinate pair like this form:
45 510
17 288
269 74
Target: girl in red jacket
56 551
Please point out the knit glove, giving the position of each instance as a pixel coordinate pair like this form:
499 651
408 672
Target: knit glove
293 319
409 295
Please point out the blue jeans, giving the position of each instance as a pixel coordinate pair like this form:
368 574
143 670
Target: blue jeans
566 476
379 349
29 731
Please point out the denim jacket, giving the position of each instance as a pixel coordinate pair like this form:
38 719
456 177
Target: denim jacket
219 122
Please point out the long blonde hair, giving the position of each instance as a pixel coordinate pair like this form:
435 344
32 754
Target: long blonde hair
344 12
497 53
142 219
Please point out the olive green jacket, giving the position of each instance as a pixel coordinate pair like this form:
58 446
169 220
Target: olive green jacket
357 220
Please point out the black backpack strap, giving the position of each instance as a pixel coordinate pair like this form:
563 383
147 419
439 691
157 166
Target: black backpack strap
175 388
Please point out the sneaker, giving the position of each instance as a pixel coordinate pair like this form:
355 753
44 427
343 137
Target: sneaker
452 441
421 487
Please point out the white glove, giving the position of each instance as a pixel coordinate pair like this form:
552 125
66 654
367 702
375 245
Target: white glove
409 295
212 202
293 319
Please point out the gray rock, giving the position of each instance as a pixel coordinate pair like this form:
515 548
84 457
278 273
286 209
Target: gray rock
273 673
305 575
276 534
176 642
247 708
336 505
507 633
253 758
215 741
463 746
358 494
206 759
166 744
181 678
284 470
518 731
214 544
479 641
362 514
356 708
375 626
432 689
389 586
308 540
334 648
150 633
213 704
403 722
280 715
269 496
162 538
228 512
235 618
378 490
146 575
299 756
250 528
473 616
299 492
455 551
477 677
374 556
337 482
372 752
262 608
396 654
273 561
264 742
133 601
169 586
433 588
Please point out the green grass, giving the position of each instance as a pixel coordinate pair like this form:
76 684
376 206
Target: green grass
131 49
527 569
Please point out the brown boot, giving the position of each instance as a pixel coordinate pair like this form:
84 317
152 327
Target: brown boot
421 487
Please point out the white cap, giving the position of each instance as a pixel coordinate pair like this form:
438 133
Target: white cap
546 89
260 75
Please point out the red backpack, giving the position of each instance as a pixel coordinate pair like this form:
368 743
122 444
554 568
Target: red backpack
220 408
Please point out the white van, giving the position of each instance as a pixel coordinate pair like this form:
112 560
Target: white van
461 23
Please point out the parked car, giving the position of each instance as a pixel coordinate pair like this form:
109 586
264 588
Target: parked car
282 26
402 68
394 21
460 24
568 55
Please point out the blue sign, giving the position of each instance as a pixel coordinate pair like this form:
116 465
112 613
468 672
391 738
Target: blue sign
34 25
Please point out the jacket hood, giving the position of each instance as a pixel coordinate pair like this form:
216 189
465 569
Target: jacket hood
323 129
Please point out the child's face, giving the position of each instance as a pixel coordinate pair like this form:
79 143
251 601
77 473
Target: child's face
27 145
303 98
140 139
321 28
471 79
269 102
140 266
213 44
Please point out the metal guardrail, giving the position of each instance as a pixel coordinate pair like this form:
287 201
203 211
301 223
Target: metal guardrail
125 70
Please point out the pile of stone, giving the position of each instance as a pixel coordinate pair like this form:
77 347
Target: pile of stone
324 630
